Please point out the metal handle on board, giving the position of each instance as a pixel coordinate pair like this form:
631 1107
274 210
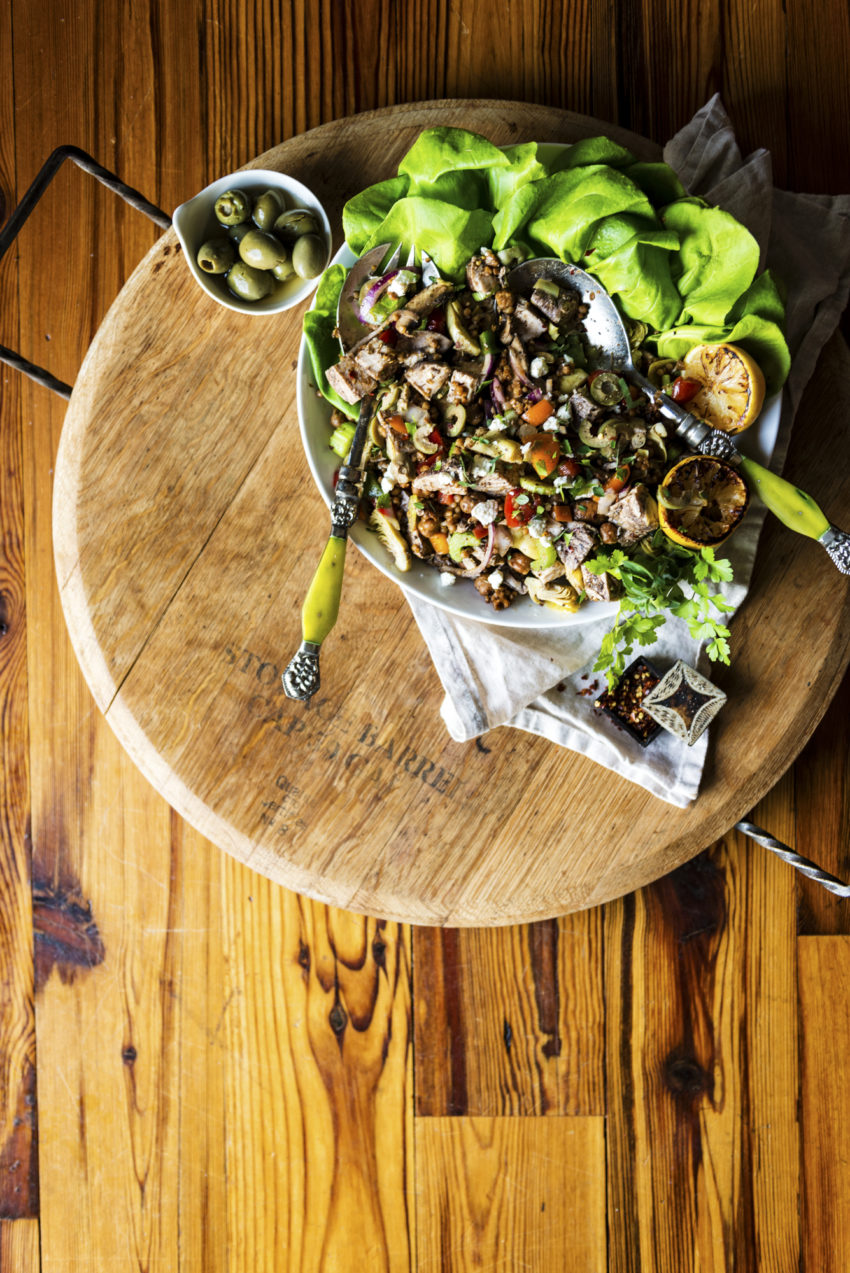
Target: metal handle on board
804 865
13 226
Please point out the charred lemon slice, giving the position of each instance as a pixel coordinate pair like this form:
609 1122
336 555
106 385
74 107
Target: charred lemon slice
701 501
731 386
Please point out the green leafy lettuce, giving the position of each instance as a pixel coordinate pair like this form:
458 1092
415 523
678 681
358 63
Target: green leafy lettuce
717 259
686 269
322 344
572 204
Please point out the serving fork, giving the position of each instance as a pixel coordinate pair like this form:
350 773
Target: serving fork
319 612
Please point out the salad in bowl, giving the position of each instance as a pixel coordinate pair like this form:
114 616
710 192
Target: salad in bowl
501 464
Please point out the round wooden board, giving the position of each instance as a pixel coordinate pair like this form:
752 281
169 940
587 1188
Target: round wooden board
187 528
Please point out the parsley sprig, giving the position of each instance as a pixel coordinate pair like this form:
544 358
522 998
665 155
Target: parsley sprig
677 581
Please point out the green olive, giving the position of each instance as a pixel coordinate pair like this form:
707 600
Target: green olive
268 208
261 250
247 283
232 207
216 256
285 269
308 256
291 225
237 232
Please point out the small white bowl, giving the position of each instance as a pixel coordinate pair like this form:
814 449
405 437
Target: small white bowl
195 222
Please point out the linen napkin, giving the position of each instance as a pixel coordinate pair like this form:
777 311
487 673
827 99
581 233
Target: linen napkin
543 681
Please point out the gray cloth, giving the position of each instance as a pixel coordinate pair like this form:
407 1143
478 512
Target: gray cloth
542 681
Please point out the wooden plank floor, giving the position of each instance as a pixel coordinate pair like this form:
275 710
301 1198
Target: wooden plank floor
201 1072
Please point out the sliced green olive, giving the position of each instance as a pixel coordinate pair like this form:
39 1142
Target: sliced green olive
461 337
537 488
506 449
603 439
572 381
605 388
454 418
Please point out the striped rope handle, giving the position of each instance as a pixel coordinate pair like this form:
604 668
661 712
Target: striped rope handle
806 867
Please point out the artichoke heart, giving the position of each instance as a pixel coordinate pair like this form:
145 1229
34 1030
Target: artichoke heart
560 596
386 527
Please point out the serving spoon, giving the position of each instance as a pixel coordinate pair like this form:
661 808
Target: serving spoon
606 333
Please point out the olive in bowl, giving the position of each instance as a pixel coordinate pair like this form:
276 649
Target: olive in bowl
232 247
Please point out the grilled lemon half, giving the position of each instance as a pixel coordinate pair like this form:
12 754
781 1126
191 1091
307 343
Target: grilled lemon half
701 501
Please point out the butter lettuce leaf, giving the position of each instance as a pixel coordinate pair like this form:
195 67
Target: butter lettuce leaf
571 204
514 215
761 337
440 150
717 260
523 167
362 215
592 150
450 235
638 274
658 181
322 345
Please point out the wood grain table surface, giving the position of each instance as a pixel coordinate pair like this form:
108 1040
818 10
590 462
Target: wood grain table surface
203 1071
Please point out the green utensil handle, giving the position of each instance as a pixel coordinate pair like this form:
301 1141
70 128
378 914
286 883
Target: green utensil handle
794 508
321 604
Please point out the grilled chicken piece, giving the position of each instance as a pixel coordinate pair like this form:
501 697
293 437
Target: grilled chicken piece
578 547
527 324
599 587
583 409
377 359
427 376
350 380
482 274
635 515
434 480
462 386
420 305
558 309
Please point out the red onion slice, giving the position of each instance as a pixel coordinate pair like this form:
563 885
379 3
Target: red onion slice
372 295
491 534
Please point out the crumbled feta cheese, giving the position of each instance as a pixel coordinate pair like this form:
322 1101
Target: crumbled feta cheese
526 447
397 286
480 466
537 528
496 579
552 425
564 413
497 424
446 579
485 512
561 480
539 367
386 484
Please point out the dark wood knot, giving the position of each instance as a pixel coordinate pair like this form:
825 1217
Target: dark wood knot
685 1076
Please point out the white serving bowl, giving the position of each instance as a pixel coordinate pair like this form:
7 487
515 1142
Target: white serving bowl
420 581
195 222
